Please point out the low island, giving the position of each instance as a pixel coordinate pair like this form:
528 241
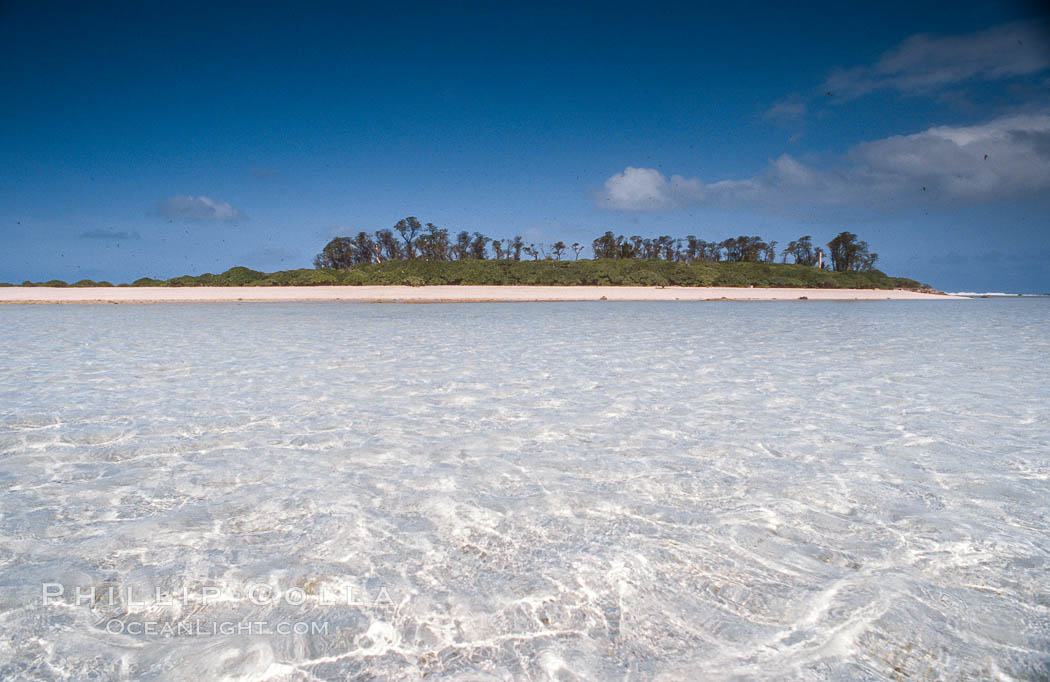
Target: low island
428 268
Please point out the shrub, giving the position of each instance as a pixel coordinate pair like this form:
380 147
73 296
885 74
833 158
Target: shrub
646 278
148 282
353 277
238 276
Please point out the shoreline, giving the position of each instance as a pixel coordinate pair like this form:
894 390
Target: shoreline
444 294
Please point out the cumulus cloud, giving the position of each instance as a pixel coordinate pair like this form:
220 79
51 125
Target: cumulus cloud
110 235
925 63
186 207
1005 158
637 189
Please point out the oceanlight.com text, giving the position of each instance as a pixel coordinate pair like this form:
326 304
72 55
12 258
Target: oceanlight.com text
204 628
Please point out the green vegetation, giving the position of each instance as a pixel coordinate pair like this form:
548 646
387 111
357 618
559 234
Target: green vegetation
606 271
91 283
59 283
428 255
433 243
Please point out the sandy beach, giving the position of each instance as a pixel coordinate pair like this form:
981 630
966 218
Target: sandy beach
443 294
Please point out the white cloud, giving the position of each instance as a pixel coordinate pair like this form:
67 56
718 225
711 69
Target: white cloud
925 63
637 189
1005 158
186 207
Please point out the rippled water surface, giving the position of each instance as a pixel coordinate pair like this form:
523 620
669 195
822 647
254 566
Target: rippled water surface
487 491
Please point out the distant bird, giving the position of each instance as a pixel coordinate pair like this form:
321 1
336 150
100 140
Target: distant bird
985 157
924 188
828 93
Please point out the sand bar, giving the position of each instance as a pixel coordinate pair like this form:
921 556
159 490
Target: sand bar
442 294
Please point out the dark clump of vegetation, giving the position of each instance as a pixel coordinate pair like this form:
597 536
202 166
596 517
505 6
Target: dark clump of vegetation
62 285
414 241
147 282
234 277
414 254
91 283
605 271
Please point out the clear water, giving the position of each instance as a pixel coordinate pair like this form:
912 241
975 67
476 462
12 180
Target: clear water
566 491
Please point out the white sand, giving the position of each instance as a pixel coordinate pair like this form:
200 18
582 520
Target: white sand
440 294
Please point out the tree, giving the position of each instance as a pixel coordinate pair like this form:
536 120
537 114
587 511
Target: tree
625 248
700 250
461 248
648 248
338 254
692 249
387 247
752 248
605 246
408 228
801 250
849 253
711 251
745 249
478 245
434 244
667 247
732 253
845 253
639 245
365 248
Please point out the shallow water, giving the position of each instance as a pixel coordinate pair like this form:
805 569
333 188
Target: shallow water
571 491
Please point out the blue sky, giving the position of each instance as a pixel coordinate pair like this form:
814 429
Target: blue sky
166 139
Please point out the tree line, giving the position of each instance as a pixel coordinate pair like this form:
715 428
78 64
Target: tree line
412 240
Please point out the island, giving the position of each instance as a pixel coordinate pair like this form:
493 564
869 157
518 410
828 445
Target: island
425 265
